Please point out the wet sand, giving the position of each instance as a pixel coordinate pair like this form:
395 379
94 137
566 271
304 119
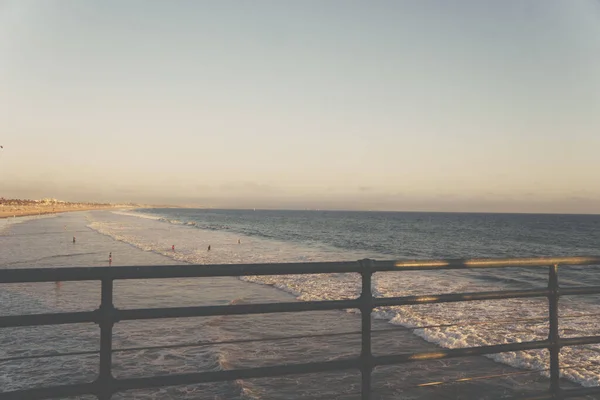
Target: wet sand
47 242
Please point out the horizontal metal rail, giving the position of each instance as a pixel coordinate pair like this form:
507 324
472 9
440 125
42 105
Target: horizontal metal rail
291 337
22 275
11 321
107 315
267 308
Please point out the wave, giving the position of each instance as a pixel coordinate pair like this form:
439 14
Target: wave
136 214
339 243
159 218
151 247
451 325
205 226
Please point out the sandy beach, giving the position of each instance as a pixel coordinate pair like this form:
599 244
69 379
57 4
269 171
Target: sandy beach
9 211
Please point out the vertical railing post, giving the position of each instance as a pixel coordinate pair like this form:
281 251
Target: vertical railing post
553 336
366 307
106 322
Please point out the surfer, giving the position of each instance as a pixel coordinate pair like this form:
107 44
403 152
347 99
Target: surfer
73 239
209 247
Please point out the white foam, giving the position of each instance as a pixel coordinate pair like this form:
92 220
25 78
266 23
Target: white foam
150 234
136 214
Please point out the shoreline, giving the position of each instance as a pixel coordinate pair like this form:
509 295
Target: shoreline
25 211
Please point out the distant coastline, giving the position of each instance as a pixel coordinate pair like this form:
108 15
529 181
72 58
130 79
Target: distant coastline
10 208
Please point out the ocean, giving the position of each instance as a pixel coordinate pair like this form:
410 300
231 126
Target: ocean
146 237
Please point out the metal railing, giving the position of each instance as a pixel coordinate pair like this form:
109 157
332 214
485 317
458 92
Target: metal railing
107 315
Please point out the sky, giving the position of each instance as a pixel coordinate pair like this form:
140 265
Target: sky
429 105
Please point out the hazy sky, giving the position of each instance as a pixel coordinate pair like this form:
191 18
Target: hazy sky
401 105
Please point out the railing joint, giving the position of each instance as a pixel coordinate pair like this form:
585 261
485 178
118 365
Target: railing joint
104 388
106 315
558 394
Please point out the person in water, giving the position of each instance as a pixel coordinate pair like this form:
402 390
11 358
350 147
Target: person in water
173 247
209 247
73 239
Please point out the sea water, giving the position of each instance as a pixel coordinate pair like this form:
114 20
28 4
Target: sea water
290 236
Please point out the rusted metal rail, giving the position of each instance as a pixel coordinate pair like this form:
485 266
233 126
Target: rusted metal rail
107 315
